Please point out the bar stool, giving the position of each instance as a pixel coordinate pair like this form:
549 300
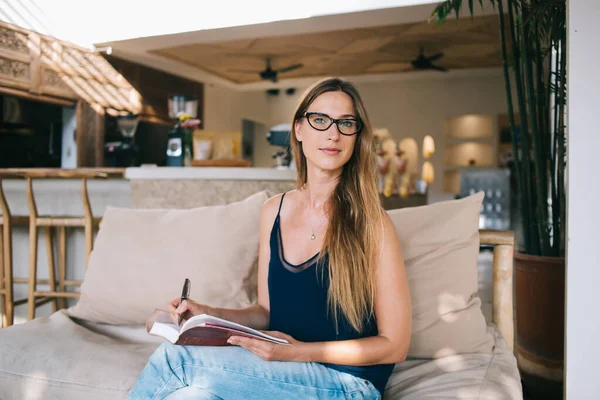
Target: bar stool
6 270
36 221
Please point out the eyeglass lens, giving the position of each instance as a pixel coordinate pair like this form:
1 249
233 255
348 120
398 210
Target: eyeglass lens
322 122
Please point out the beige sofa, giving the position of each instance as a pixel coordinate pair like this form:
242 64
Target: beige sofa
96 349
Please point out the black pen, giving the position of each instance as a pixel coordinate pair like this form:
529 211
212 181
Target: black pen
185 293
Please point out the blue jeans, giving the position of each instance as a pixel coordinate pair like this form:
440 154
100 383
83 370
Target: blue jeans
225 373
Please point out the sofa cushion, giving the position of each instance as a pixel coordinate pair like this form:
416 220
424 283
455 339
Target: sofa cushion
56 358
142 257
60 358
440 243
475 376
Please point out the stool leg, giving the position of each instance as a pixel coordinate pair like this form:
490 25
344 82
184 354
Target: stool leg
6 276
62 263
8 273
51 271
31 287
33 242
88 222
89 240
2 280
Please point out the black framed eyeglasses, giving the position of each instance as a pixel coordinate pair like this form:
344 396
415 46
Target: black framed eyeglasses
322 122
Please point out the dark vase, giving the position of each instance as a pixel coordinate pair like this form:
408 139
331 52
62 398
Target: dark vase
540 314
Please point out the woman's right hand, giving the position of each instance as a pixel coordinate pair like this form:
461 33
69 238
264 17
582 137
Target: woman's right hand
186 308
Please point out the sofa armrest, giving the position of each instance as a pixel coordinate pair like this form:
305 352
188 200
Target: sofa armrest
502 280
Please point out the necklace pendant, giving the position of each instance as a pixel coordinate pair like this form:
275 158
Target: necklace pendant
312 237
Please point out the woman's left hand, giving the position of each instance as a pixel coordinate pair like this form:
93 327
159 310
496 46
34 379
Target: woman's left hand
270 351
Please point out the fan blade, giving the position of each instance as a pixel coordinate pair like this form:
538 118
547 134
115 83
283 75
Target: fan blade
443 69
289 68
436 57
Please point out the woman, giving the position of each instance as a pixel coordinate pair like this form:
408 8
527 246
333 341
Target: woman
331 279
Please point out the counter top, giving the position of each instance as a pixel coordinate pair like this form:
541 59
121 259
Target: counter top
56 173
210 173
155 173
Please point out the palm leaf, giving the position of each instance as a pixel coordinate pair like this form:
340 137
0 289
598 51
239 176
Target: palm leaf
536 32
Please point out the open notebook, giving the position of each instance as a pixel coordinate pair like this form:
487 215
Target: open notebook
204 330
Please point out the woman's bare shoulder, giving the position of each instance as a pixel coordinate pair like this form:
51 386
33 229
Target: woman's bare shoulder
271 206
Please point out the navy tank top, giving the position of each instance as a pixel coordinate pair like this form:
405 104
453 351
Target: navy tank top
298 302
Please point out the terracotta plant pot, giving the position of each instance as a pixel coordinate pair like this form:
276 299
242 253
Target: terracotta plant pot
540 310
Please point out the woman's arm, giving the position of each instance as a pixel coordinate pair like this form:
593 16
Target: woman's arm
367 351
392 309
257 315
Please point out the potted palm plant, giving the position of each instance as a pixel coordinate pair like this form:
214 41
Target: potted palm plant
533 46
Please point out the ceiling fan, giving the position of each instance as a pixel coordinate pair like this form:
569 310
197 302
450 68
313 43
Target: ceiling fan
270 74
423 62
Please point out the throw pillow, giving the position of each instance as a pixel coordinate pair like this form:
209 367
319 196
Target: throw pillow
141 258
440 243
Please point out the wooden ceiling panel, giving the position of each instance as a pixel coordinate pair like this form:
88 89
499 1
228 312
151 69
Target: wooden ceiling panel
391 29
472 50
367 44
389 67
329 41
409 49
233 45
466 43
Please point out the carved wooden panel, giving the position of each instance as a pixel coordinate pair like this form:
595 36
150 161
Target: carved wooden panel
15 59
52 83
43 66
13 69
13 41
14 73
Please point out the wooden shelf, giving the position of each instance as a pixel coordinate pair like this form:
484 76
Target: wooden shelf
460 154
459 167
454 140
467 137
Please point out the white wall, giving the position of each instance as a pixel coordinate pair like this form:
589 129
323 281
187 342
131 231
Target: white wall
69 145
583 190
225 108
409 108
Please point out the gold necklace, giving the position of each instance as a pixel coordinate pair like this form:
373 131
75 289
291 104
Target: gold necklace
314 232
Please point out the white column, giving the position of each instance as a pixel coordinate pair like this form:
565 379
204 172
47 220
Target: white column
69 146
582 351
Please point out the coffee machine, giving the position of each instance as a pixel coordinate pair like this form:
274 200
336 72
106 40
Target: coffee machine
279 135
123 153
181 107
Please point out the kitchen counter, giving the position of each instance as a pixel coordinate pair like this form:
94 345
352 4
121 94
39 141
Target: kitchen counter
211 173
52 173
188 187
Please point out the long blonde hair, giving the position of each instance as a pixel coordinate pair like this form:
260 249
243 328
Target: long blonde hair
355 214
